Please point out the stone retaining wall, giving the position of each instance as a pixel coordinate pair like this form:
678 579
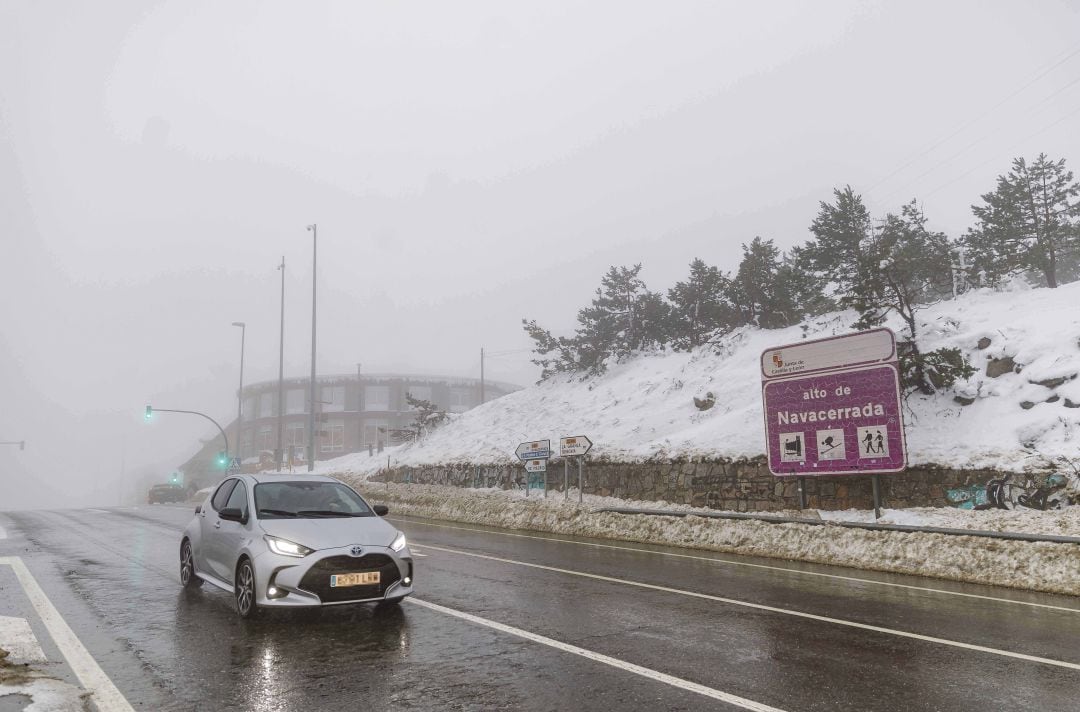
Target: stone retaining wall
742 486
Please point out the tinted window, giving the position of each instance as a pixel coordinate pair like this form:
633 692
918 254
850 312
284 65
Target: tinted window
238 498
222 494
276 500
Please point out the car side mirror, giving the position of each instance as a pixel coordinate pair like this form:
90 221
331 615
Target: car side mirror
233 515
381 509
198 509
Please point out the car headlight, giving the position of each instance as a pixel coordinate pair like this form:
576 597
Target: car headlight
286 547
399 542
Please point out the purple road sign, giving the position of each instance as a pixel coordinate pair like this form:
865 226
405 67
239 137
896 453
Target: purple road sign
846 421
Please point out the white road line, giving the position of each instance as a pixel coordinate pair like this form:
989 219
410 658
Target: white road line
97 511
771 609
604 659
18 639
717 560
3 533
93 678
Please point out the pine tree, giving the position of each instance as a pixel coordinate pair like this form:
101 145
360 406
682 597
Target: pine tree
1029 223
838 254
758 296
700 306
428 416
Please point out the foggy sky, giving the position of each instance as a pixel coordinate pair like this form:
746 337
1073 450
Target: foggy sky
468 164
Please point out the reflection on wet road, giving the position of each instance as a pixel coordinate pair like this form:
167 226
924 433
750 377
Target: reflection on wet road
542 624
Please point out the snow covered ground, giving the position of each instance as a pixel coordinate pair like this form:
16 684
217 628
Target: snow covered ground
1034 566
643 409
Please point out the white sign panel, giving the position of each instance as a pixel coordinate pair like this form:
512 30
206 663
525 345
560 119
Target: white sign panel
535 466
846 351
574 446
535 450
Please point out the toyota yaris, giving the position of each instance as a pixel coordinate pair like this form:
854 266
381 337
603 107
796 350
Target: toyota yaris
281 541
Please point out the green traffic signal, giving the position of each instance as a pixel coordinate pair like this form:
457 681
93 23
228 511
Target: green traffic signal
223 459
149 412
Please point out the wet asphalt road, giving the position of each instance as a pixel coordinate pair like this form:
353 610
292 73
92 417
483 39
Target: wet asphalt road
113 576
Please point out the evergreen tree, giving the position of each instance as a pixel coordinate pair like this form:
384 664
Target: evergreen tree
700 306
1029 223
624 317
839 253
428 416
756 291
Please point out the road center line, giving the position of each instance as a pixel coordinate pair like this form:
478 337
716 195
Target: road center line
770 609
716 560
649 673
90 675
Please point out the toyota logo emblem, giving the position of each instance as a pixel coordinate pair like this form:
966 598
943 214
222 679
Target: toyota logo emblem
356 551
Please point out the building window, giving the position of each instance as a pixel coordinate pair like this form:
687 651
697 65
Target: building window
420 393
249 407
332 436
374 431
461 400
333 399
376 397
294 401
265 438
245 442
266 405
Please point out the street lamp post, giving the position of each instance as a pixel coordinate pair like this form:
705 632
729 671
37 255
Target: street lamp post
240 393
281 375
20 443
311 392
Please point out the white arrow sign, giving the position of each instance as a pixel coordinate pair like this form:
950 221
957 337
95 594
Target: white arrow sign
535 450
536 466
574 446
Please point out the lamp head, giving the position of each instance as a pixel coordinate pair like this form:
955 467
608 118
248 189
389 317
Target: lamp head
239 323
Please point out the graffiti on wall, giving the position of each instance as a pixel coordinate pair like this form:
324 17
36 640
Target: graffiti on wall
1052 492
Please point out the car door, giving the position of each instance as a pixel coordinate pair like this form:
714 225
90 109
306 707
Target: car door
209 526
229 537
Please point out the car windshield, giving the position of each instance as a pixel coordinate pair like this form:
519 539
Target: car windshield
280 500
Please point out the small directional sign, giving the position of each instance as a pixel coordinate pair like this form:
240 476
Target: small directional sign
532 466
535 450
574 446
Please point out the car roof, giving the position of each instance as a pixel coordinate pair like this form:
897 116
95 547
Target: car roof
262 477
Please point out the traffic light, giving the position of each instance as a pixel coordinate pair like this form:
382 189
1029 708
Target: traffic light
176 478
223 458
149 412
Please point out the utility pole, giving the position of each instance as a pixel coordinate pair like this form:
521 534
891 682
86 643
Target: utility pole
311 391
281 376
482 401
240 393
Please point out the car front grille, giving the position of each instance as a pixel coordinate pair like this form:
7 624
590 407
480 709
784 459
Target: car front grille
317 579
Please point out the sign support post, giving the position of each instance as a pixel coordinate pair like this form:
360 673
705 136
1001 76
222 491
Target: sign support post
581 478
566 478
877 495
802 493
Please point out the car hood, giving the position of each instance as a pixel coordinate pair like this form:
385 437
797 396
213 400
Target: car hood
332 532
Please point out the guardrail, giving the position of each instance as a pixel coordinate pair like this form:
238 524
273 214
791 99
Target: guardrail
774 519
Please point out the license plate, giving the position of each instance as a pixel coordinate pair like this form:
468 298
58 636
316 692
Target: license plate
365 578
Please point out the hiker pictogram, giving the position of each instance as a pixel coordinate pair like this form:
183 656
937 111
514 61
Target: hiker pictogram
873 442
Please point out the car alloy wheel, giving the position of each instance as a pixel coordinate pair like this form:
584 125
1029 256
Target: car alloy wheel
188 579
245 590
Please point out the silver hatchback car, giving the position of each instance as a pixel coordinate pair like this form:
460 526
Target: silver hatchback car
284 541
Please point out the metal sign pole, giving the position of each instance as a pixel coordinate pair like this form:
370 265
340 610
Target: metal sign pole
566 477
581 478
528 481
877 496
545 483
802 493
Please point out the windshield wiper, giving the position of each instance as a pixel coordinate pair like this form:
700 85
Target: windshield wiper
327 513
279 512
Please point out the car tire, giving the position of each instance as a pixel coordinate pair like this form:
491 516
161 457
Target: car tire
188 577
246 605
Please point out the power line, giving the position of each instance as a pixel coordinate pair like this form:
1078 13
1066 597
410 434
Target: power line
974 143
971 170
1039 75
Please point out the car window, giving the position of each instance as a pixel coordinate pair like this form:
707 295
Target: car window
238 498
308 500
222 494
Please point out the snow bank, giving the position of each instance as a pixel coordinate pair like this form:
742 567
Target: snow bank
643 409
1035 566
